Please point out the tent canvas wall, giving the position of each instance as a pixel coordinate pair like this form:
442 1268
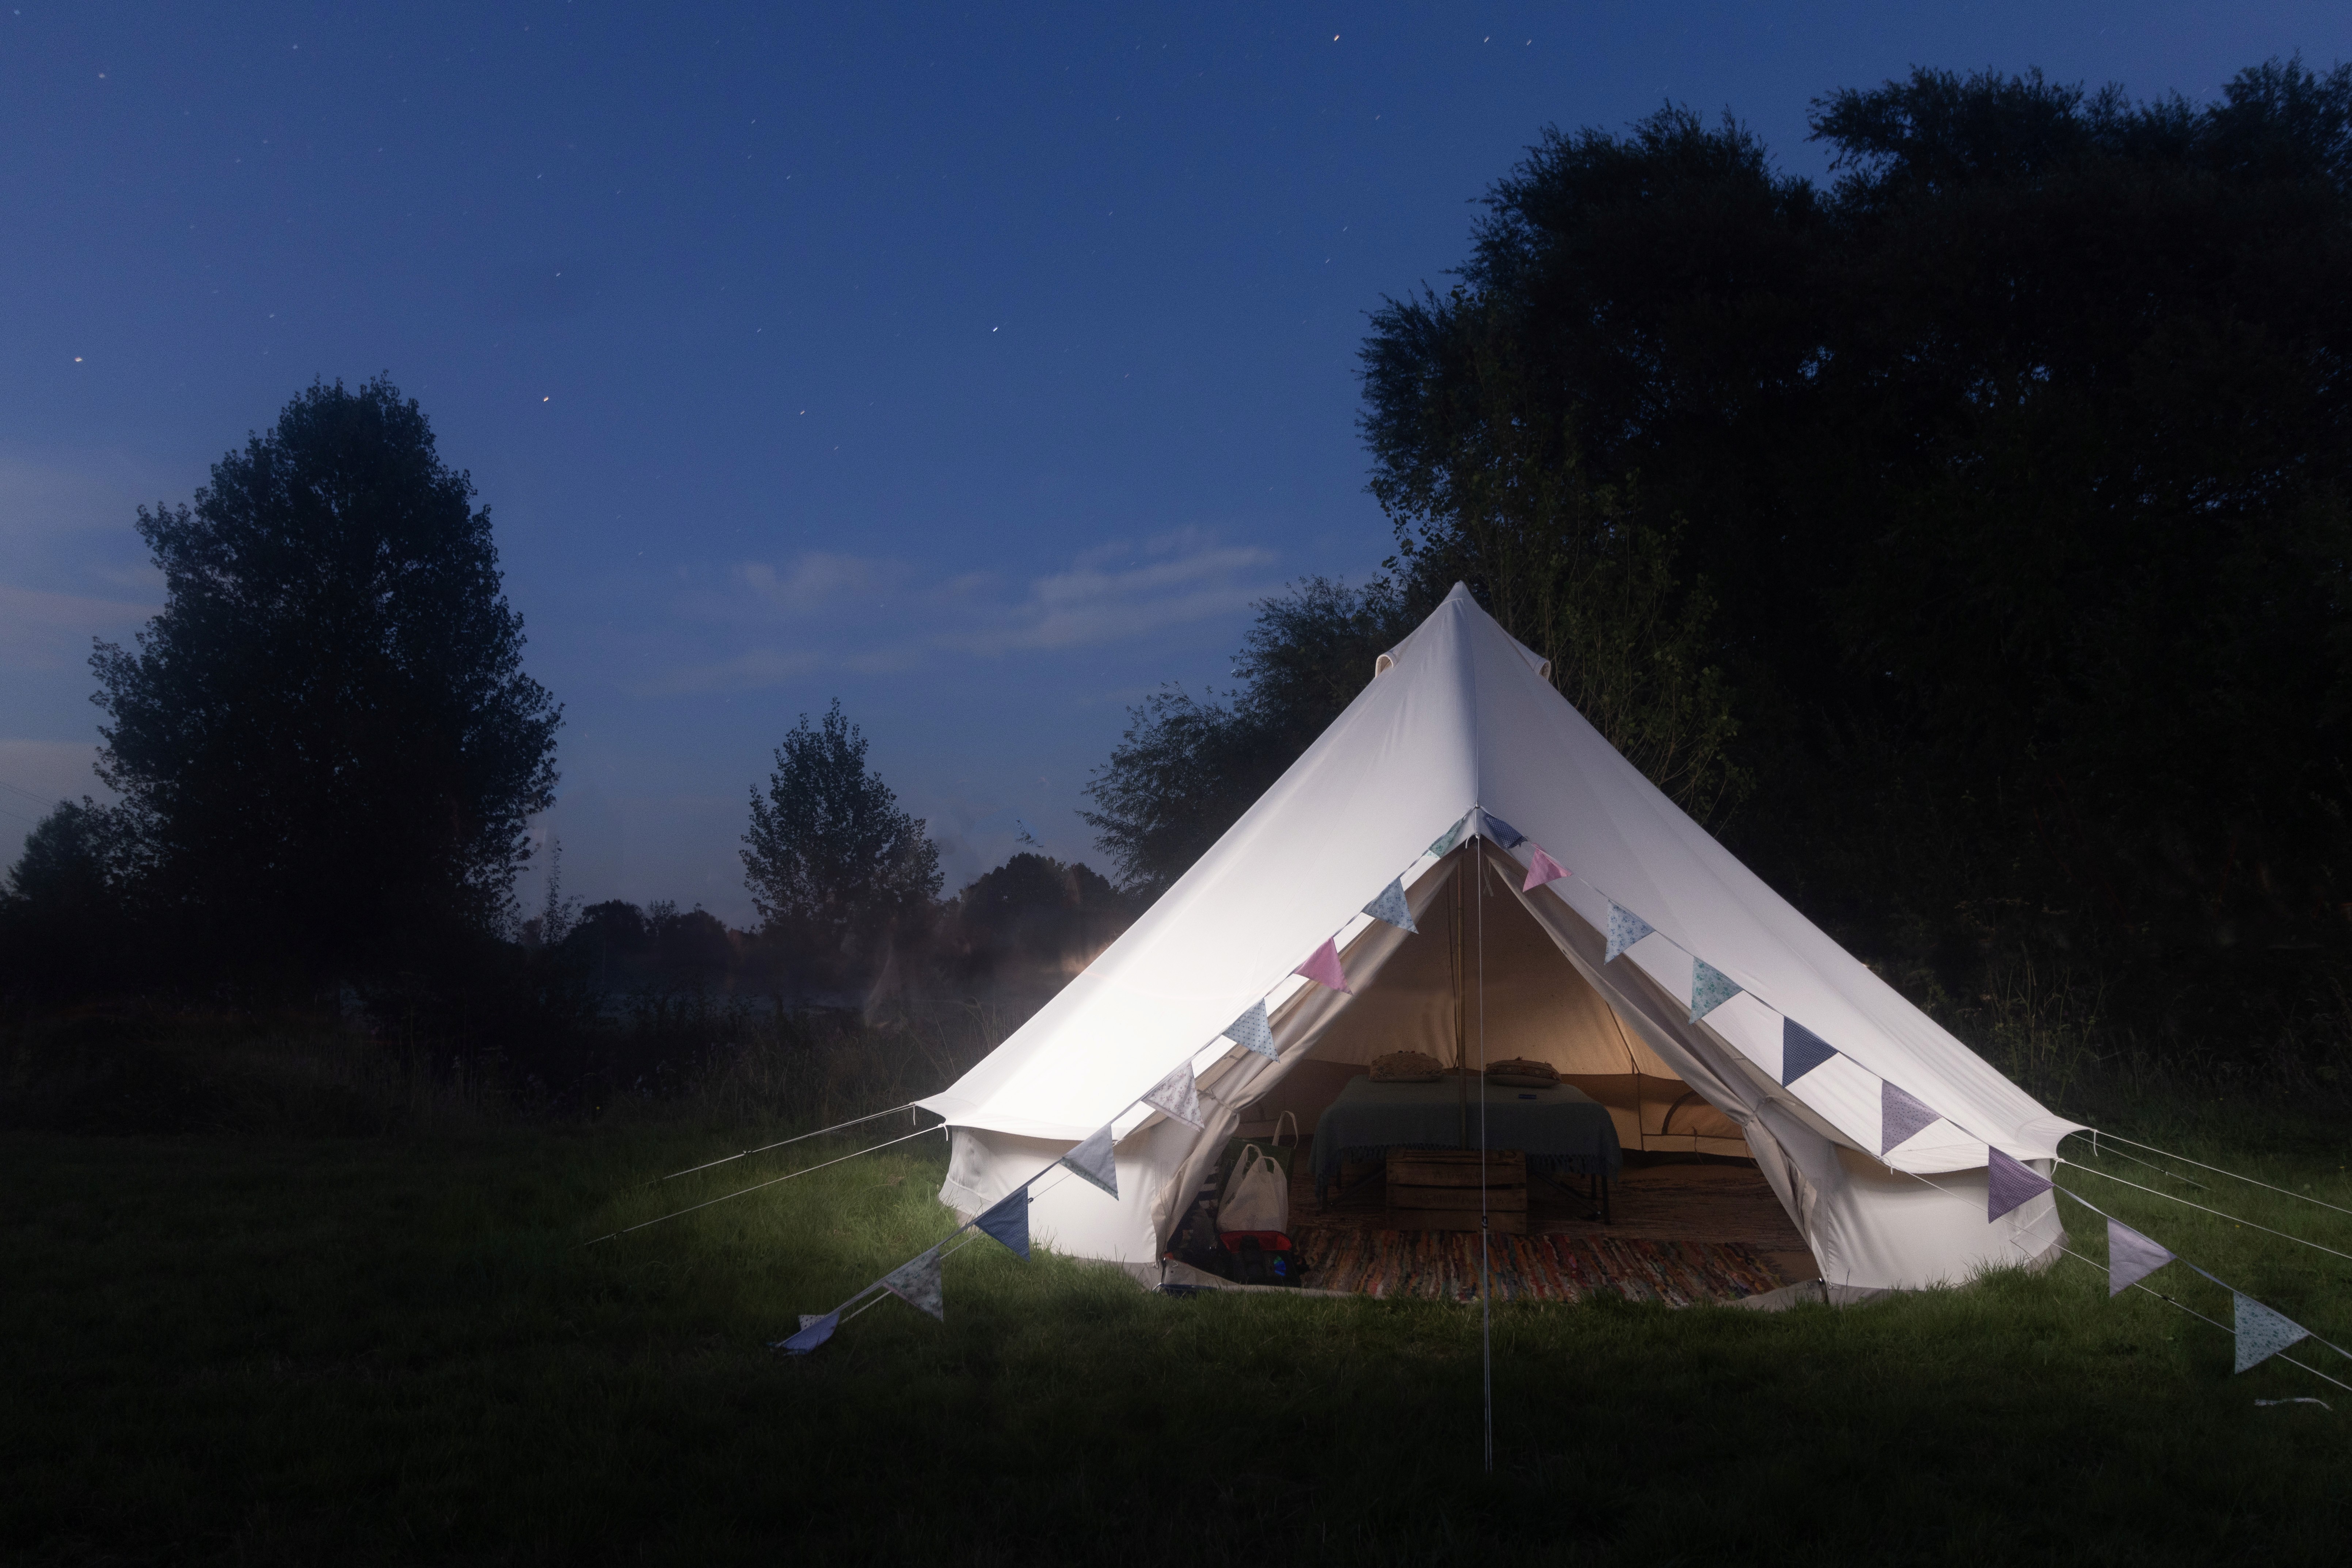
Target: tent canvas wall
1459 719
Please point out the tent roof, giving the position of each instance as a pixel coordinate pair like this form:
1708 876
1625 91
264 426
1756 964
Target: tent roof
1458 716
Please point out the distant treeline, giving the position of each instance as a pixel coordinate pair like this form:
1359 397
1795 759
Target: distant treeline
1965 540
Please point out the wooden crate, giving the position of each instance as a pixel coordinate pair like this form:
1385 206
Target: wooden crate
1437 1189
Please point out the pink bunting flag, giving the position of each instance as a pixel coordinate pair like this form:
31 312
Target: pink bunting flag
1542 870
1322 968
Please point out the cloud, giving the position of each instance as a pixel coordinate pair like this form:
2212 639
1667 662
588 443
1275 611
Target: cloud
41 630
872 615
1191 579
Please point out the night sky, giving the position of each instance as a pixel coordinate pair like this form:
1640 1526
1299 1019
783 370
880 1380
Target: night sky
976 365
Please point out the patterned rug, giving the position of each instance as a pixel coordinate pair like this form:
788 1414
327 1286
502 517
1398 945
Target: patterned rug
1442 1264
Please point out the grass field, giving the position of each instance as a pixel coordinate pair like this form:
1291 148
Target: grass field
263 1349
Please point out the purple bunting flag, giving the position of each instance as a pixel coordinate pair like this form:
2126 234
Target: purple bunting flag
2131 1257
1625 928
2261 1334
815 1329
2008 1183
1802 1051
1542 870
1322 966
1501 831
1008 1220
1902 1116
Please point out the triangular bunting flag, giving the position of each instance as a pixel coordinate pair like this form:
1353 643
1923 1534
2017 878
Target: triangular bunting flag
1802 1051
1322 966
1501 831
2131 1257
1902 1116
1391 907
1542 870
1177 1095
1008 1220
1094 1161
2008 1183
2263 1333
1252 1031
1625 928
815 1329
1445 842
918 1284
1710 988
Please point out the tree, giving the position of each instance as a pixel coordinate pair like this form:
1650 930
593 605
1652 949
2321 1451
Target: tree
830 858
325 744
63 926
2021 458
1188 767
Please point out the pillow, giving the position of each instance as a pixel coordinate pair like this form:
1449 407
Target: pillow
1519 1072
1407 1066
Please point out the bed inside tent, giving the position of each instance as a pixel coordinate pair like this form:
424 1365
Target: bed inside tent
1487 980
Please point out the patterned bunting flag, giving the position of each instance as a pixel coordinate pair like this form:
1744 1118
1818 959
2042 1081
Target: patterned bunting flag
1710 988
1252 1032
1625 928
1501 831
1008 1220
2261 1334
1542 870
1390 906
2008 1183
1445 842
1802 1051
1095 1162
918 1284
815 1329
1902 1116
1177 1095
2131 1257
1322 966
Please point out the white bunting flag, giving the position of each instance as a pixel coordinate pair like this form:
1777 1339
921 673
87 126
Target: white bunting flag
918 1284
1177 1095
1252 1032
1095 1162
1625 928
2263 1333
2131 1257
1710 988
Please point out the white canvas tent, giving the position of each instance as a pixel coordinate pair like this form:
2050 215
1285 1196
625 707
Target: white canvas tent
1460 718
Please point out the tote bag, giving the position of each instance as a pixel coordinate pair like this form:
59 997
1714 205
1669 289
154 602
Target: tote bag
1258 1197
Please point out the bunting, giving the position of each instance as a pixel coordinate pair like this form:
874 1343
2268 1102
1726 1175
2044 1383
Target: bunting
1390 906
918 1283
1008 1220
1710 988
2131 1257
1322 966
815 1329
2008 1183
1445 842
1093 1162
2261 1334
1501 831
1625 928
1177 1095
1542 870
1802 1051
1902 1116
1252 1032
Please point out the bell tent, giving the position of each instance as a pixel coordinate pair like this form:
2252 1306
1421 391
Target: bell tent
1655 972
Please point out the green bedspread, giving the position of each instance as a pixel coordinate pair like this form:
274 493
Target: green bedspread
1560 1129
